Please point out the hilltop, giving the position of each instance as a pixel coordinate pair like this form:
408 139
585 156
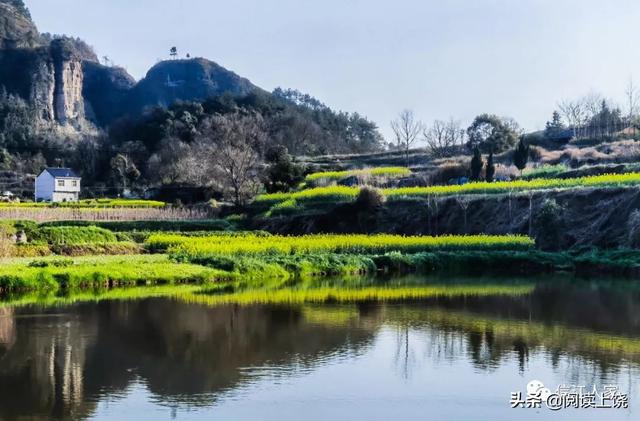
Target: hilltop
62 80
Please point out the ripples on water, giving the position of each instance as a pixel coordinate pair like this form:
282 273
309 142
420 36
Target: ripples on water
447 357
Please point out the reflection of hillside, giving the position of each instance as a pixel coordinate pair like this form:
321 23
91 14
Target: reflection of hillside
58 363
180 348
181 351
597 307
602 327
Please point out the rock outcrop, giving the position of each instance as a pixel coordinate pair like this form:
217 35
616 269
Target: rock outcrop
105 90
63 81
195 79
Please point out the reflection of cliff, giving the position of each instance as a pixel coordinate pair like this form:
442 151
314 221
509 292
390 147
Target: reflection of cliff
60 364
43 370
7 329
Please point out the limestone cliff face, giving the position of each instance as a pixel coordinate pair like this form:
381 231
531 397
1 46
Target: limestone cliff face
42 89
68 103
47 73
62 80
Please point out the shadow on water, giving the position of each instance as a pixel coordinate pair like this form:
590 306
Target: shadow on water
60 357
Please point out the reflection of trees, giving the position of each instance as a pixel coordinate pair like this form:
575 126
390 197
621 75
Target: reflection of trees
404 355
596 330
59 363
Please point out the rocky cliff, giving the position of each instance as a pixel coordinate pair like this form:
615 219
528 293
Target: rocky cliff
47 74
62 80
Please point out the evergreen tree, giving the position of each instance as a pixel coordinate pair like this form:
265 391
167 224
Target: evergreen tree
554 126
476 164
491 169
282 174
521 155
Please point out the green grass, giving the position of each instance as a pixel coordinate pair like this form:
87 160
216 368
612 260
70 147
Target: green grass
73 235
104 271
545 171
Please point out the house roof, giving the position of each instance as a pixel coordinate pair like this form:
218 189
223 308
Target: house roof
62 172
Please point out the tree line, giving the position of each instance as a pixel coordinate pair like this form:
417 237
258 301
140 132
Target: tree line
220 145
592 116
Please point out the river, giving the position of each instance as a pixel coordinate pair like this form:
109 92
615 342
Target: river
457 357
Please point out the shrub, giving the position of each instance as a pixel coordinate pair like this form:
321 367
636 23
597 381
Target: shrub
370 198
443 173
58 263
31 250
74 235
548 225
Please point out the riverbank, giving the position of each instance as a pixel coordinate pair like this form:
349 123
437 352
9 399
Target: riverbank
230 274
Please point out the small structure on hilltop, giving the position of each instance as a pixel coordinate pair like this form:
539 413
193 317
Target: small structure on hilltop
57 185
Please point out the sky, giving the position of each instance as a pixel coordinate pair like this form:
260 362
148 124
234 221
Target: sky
439 58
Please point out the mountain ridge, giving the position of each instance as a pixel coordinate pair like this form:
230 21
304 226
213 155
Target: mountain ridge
62 79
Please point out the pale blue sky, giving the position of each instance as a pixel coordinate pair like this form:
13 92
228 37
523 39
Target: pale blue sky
440 58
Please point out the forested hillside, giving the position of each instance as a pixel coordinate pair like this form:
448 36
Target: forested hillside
61 105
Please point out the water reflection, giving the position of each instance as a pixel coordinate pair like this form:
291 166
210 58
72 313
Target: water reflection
64 362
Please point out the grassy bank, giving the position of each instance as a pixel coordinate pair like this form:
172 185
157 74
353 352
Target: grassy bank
245 261
51 274
344 193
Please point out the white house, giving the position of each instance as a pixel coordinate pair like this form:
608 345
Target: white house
57 185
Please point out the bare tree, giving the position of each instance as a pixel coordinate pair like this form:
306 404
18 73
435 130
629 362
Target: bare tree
234 143
572 111
443 137
406 129
633 99
592 103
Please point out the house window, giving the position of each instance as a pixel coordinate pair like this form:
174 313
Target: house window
60 183
74 183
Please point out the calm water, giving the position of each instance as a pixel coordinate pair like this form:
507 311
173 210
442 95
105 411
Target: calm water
447 358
